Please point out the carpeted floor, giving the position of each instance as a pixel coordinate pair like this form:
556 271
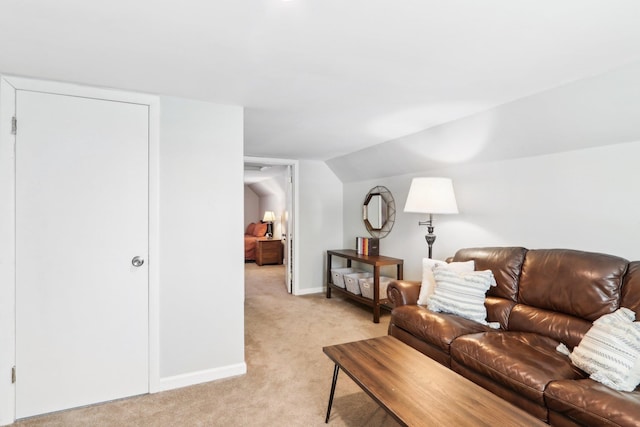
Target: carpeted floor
288 379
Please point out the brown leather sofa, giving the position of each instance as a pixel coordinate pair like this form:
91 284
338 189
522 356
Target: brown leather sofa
542 298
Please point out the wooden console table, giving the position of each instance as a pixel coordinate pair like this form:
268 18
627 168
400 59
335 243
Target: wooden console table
376 261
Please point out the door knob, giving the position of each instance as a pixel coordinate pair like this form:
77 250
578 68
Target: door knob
137 261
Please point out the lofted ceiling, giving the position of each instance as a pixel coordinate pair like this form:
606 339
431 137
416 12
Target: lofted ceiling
323 78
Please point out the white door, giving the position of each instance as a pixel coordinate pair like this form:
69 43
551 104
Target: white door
81 217
288 225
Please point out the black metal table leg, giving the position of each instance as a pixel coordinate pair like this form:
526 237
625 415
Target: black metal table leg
333 389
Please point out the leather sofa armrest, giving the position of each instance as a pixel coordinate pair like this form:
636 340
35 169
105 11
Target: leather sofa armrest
403 292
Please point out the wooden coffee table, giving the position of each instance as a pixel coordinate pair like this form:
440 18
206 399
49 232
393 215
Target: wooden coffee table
416 390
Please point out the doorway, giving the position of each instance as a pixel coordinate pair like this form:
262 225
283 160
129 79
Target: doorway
285 227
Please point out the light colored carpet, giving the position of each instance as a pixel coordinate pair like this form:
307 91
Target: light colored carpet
288 379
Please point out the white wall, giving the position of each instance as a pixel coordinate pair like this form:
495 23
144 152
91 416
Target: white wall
584 199
251 206
274 201
320 222
201 194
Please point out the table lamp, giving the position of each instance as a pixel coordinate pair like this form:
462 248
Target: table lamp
269 217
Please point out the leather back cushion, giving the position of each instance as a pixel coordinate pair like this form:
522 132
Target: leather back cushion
563 328
581 284
631 288
504 262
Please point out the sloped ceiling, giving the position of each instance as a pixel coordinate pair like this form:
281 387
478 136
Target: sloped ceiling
265 180
323 78
597 111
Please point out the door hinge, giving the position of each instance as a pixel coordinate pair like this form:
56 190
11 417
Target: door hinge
13 375
14 125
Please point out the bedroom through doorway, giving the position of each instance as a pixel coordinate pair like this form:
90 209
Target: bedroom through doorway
269 218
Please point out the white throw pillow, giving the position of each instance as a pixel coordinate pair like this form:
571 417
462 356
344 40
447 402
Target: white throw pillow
610 351
429 282
462 294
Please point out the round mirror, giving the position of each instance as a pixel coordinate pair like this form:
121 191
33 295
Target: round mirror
379 211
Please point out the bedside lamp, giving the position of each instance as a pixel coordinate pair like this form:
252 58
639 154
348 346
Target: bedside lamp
269 217
431 196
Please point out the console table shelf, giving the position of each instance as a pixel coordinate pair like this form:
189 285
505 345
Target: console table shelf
376 261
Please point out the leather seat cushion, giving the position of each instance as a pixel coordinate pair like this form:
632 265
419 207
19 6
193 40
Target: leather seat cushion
590 403
437 329
520 361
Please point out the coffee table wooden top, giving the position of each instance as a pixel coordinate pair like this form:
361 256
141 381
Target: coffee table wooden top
418 391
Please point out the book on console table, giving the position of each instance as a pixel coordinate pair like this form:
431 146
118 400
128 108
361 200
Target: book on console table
367 246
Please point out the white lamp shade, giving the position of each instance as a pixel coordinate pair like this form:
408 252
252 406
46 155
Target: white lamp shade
432 196
269 216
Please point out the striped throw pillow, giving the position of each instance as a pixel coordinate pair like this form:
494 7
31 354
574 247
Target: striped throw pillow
429 282
461 293
610 351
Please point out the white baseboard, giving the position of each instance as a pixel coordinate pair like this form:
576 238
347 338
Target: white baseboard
199 377
311 291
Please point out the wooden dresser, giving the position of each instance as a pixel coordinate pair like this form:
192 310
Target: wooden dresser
269 251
